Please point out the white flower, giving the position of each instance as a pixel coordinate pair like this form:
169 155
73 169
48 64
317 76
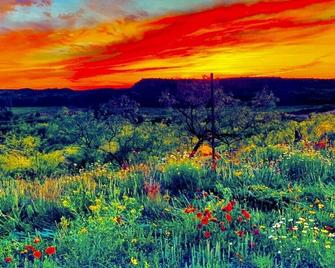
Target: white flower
298 249
279 252
276 225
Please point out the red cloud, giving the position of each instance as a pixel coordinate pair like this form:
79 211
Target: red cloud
188 34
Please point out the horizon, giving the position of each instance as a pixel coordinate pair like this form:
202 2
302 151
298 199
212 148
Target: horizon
157 78
92 44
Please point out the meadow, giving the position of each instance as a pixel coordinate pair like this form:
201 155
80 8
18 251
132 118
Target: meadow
83 188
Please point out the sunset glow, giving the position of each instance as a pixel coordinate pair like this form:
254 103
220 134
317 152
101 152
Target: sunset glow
95 43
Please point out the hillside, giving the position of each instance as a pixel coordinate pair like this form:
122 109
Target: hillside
148 91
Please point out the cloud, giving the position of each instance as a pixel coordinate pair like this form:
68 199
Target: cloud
81 49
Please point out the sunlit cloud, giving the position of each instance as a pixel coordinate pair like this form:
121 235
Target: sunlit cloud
94 44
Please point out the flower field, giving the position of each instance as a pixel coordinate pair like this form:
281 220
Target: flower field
270 202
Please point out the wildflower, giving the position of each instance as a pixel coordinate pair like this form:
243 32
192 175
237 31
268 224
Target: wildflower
240 219
321 206
199 215
205 220
134 241
189 209
229 207
298 249
37 240
8 259
50 250
240 233
222 227
207 234
37 254
199 226
327 246
256 232
117 219
329 228
229 218
152 189
83 230
208 213
294 228
276 225
246 214
134 261
238 173
30 248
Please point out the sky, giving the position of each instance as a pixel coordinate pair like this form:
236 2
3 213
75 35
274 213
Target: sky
84 44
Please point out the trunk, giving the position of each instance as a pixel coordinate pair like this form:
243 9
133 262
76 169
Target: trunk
196 147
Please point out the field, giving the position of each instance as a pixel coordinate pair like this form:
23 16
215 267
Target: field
82 189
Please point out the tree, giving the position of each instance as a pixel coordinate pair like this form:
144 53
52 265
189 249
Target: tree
234 120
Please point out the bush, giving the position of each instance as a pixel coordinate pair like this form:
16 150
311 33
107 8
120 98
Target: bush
181 177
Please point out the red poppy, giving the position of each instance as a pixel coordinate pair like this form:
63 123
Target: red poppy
37 254
30 248
199 215
240 219
229 218
37 240
50 250
222 227
205 220
207 234
240 233
208 213
189 209
228 208
8 259
246 214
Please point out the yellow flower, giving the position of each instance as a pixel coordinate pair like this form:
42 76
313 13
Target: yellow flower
64 222
95 208
332 215
321 206
312 212
117 220
134 241
134 261
238 173
83 230
324 231
66 203
327 246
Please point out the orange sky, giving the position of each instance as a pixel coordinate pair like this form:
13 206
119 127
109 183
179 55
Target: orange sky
91 44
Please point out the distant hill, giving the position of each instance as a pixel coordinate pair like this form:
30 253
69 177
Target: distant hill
148 91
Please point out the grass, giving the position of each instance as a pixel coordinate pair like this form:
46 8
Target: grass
269 205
